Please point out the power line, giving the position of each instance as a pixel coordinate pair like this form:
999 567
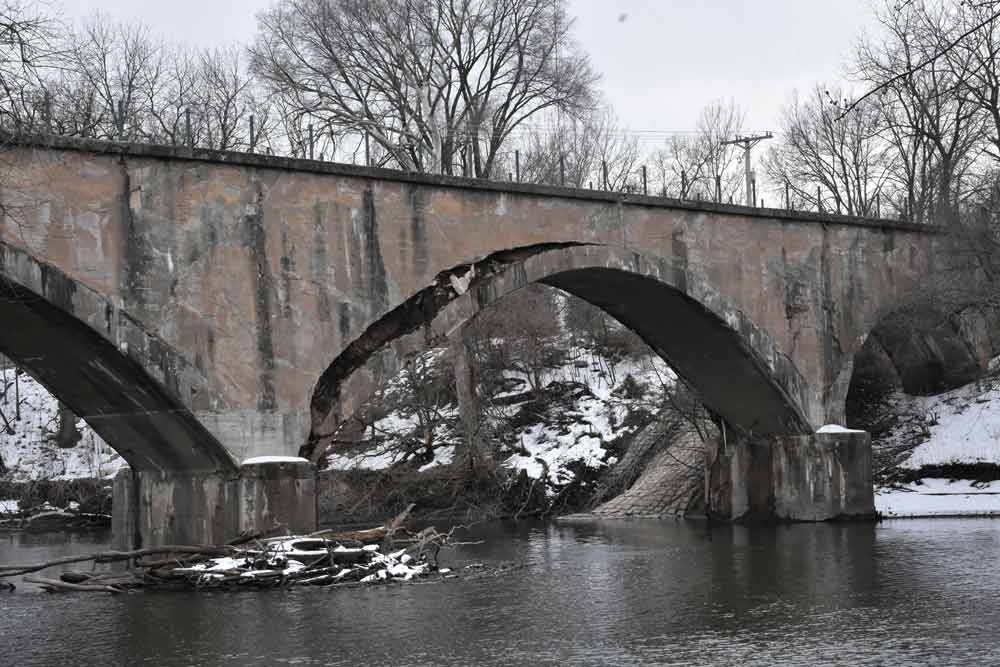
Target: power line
747 144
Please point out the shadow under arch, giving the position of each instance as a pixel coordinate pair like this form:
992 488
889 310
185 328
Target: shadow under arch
734 364
917 348
49 327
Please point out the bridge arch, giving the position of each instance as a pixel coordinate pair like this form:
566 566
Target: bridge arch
124 382
735 364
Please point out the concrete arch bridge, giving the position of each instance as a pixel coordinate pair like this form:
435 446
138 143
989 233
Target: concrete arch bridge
201 308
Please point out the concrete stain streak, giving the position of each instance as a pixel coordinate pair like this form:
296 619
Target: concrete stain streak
256 238
376 281
320 260
418 230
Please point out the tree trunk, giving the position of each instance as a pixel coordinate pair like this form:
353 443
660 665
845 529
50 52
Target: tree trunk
468 401
67 436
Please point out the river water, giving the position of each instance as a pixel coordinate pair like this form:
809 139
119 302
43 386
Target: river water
602 593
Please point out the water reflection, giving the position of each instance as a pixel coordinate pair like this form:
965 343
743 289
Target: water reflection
602 593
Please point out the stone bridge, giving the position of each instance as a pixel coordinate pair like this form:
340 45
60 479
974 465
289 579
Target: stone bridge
198 308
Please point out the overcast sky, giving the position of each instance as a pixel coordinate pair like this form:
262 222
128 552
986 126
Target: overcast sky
661 60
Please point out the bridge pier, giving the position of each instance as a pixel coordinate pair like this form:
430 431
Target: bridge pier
152 508
817 477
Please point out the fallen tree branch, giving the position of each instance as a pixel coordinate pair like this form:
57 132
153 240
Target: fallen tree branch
57 585
112 556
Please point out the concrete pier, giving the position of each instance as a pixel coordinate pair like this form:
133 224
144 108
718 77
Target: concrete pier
817 477
152 508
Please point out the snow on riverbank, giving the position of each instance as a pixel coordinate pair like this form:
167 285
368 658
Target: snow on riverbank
598 416
560 436
939 497
964 427
31 453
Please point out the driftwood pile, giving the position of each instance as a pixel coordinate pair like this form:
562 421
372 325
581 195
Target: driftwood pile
326 558
48 517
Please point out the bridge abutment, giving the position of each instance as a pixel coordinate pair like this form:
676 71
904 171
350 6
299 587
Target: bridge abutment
155 508
816 477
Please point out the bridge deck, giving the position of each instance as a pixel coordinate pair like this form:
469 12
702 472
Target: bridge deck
131 149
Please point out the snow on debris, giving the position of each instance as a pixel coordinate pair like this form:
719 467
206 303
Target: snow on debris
305 556
940 497
31 453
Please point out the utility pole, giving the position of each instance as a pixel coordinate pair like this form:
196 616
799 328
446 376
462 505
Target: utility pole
747 143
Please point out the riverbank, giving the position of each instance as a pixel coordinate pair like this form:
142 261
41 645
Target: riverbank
935 497
946 451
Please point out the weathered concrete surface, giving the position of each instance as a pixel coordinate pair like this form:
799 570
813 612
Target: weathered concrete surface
124 522
822 476
249 295
152 508
816 477
277 493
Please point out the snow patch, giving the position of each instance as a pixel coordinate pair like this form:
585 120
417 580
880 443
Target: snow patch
254 460
442 457
965 428
31 453
940 497
837 428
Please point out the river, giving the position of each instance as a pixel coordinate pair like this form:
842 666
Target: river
602 593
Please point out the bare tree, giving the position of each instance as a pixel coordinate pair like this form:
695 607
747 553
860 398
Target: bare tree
125 66
843 158
28 51
978 53
574 151
699 164
934 130
228 98
720 121
168 99
529 328
434 83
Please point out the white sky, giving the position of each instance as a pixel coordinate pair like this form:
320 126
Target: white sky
660 65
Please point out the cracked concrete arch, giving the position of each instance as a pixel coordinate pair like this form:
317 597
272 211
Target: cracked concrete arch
734 363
